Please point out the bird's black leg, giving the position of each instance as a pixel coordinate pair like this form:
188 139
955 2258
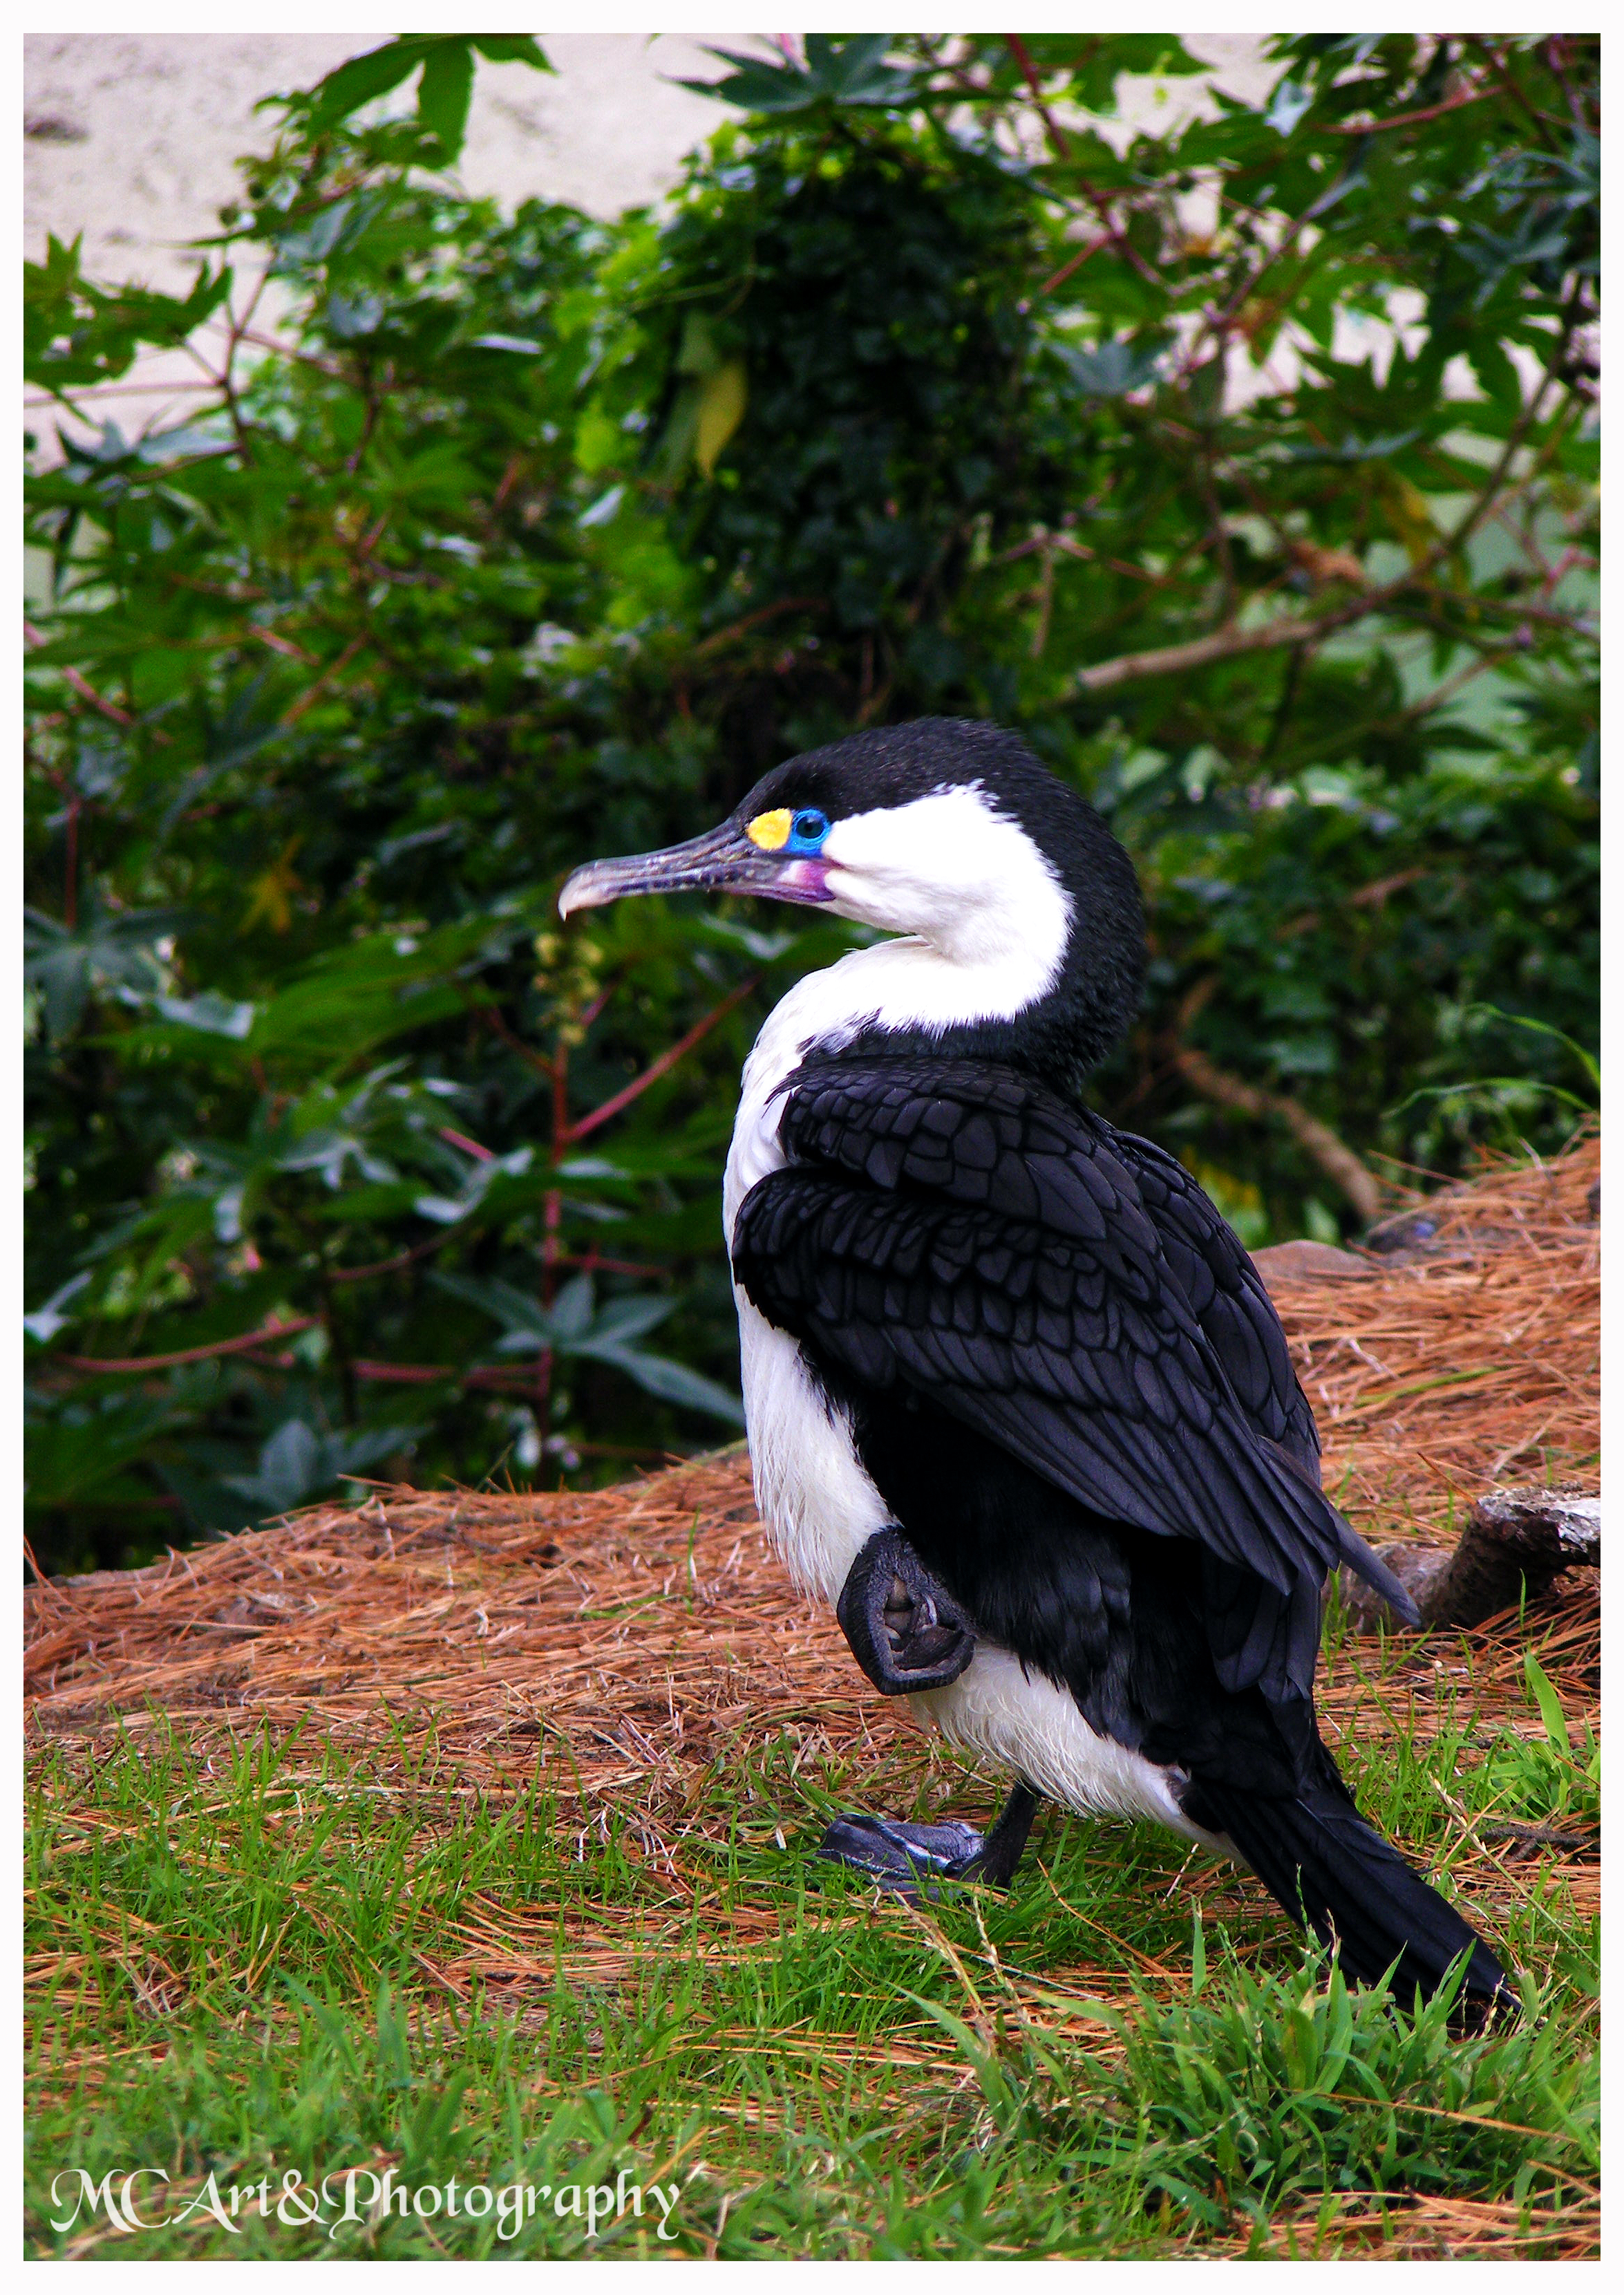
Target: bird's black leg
907 1633
905 1630
1002 1849
906 1859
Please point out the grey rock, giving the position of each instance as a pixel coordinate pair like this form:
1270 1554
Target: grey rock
1305 1260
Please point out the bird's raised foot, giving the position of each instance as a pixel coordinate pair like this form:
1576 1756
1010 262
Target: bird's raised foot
903 1628
905 1859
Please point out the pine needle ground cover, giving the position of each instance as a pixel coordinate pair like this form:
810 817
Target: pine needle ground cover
467 1834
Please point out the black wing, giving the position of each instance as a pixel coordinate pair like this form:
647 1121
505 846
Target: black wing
1227 1297
950 1226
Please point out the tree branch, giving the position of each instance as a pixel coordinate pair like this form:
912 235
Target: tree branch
1498 66
1289 630
1223 645
1334 1156
1017 48
87 691
1076 262
393 1266
313 693
719 638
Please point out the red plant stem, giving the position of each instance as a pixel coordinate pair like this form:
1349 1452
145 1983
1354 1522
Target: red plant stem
383 1373
469 1147
560 1098
666 1061
313 693
593 1262
1076 262
1408 118
494 1020
1029 73
752 621
552 1257
85 689
390 1266
552 1219
262 1338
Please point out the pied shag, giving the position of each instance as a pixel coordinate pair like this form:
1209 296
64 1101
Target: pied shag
1019 1407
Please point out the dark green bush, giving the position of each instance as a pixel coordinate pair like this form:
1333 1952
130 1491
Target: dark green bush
499 541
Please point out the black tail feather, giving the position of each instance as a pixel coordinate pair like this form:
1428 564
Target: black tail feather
1333 1872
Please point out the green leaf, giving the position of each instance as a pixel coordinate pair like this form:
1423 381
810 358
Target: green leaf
1544 1694
848 69
298 1463
723 396
363 79
522 1316
673 1382
217 1015
47 1321
1113 369
1290 103
1587 1061
512 48
623 1319
570 1315
111 950
75 332
83 1449
445 91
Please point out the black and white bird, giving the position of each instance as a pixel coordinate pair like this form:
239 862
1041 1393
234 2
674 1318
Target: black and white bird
1019 1407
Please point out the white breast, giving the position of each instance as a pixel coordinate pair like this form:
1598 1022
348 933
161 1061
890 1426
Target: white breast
1031 1726
813 1493
811 1490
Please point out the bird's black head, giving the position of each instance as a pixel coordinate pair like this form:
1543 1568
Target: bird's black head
950 831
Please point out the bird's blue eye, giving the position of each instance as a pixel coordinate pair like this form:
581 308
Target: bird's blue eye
808 830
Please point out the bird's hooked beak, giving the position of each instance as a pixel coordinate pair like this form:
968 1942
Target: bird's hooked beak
724 859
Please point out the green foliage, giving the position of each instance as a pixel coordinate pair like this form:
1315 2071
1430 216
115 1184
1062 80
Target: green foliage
836 71
75 332
1542 1780
1261 2091
1250 470
444 63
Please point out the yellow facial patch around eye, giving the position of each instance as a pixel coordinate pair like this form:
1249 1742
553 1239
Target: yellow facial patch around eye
769 830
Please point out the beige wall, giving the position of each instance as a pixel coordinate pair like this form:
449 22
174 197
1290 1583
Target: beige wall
132 138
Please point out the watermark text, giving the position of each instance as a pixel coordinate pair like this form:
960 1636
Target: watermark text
133 2200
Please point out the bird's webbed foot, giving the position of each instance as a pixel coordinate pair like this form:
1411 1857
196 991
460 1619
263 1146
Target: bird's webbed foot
909 1859
905 1629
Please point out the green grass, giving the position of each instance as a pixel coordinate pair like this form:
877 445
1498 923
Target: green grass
242 1964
